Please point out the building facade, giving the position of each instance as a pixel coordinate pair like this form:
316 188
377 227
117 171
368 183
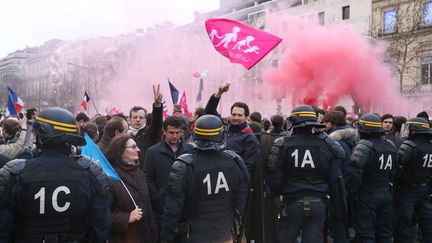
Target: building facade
11 68
406 25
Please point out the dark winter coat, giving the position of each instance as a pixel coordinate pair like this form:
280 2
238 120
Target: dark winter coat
345 136
241 140
157 166
149 135
238 138
140 231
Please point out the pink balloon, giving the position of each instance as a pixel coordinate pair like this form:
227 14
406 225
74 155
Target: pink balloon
196 74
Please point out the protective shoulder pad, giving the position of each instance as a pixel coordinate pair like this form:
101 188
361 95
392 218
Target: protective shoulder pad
178 173
334 146
240 162
361 153
278 143
13 167
391 143
231 154
99 176
186 158
406 151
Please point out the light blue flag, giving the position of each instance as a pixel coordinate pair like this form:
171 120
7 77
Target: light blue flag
91 150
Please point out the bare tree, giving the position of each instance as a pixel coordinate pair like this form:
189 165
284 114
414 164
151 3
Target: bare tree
400 23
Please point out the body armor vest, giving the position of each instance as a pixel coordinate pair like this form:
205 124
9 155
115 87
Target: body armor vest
210 207
49 201
379 169
418 169
304 160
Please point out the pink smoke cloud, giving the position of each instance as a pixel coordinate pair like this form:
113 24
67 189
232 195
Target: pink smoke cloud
320 65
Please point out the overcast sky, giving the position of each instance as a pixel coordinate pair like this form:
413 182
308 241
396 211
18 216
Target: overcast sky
32 22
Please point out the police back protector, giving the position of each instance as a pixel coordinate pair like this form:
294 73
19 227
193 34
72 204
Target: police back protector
49 199
306 159
210 208
418 168
379 170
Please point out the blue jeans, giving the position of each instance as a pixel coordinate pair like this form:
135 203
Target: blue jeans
295 220
373 217
413 201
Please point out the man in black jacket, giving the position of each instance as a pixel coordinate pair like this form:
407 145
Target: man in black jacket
239 137
159 159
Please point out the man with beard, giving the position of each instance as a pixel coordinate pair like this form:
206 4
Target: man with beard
240 138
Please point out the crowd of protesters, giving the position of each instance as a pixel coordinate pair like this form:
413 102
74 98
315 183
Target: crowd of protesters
142 147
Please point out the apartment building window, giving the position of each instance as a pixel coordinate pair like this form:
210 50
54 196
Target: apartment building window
346 12
257 19
321 18
389 21
296 3
427 13
426 71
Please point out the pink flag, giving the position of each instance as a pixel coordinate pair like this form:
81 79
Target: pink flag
183 104
239 42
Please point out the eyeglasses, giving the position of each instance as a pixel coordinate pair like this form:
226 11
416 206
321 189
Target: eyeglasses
132 146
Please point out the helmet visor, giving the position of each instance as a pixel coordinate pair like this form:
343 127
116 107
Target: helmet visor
404 132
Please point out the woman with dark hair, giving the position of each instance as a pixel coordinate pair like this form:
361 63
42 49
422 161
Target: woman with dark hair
132 215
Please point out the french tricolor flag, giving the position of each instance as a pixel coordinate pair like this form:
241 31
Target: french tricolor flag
86 99
15 103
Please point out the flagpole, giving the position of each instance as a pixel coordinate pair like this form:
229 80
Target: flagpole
128 192
94 104
238 77
97 112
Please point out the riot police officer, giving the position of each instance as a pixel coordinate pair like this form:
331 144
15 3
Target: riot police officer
370 174
54 197
208 187
413 188
304 169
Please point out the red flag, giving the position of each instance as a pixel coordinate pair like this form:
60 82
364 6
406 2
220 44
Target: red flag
239 42
183 104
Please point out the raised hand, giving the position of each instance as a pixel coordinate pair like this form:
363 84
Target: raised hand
224 87
23 122
157 95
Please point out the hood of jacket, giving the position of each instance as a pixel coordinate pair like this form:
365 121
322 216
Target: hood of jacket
343 133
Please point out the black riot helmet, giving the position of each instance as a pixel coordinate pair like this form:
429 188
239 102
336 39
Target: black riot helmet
418 125
57 125
304 115
370 124
209 128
